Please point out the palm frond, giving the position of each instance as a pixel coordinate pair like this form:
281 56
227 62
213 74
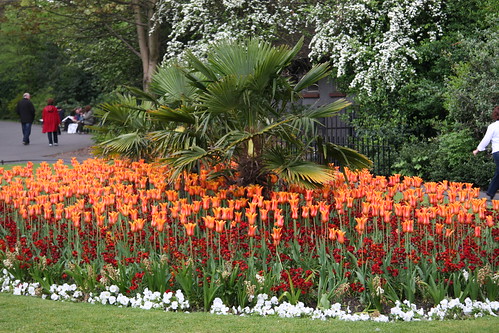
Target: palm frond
172 85
133 145
316 73
328 110
167 114
234 138
345 156
222 96
185 160
296 171
199 66
169 141
142 95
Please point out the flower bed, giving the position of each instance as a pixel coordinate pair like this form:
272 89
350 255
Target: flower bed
363 241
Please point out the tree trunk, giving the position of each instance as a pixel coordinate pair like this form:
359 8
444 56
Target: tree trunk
148 40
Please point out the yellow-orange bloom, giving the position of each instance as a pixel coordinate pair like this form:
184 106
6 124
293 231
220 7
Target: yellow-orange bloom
251 230
209 221
251 217
276 235
332 233
112 217
100 220
189 227
219 226
340 236
408 226
489 221
478 231
361 224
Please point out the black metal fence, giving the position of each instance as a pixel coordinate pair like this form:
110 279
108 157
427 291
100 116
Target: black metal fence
377 150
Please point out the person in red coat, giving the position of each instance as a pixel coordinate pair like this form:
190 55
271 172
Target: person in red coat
51 121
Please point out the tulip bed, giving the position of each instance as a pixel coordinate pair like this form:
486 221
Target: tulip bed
366 242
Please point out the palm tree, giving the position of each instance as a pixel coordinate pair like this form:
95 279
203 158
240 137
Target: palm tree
237 108
123 129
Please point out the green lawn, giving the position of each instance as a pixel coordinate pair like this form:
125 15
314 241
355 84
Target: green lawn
29 314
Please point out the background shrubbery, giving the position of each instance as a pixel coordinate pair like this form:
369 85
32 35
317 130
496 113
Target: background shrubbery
446 157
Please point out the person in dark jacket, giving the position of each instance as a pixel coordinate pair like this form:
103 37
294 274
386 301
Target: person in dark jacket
26 112
51 121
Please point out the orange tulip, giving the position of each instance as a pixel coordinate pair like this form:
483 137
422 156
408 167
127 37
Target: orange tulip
217 212
305 212
439 228
264 214
489 221
219 226
76 219
100 220
189 228
87 217
276 235
332 234
137 224
309 195
112 217
314 209
251 230
252 207
478 231
251 217
206 200
350 202
238 216
209 221
279 220
340 236
241 203
408 226
325 214
215 201
361 224
387 216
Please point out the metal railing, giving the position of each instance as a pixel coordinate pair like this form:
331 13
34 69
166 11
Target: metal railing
379 151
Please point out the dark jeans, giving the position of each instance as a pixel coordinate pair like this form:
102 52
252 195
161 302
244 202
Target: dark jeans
494 183
52 135
26 131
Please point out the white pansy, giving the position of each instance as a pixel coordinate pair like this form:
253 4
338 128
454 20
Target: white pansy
263 306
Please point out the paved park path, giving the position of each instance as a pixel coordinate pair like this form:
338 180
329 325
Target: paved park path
12 149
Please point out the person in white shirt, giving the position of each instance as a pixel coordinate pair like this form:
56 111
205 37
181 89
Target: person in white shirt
492 136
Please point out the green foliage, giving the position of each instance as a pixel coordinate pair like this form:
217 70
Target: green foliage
447 157
235 106
123 129
472 90
84 276
36 58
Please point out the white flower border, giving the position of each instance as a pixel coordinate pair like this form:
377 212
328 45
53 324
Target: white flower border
447 309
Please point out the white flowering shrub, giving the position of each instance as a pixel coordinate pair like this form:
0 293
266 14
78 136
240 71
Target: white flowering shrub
375 41
262 305
198 23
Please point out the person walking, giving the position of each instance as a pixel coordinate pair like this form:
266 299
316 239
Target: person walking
51 121
26 112
492 135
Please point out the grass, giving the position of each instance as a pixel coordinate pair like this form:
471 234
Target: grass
29 314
